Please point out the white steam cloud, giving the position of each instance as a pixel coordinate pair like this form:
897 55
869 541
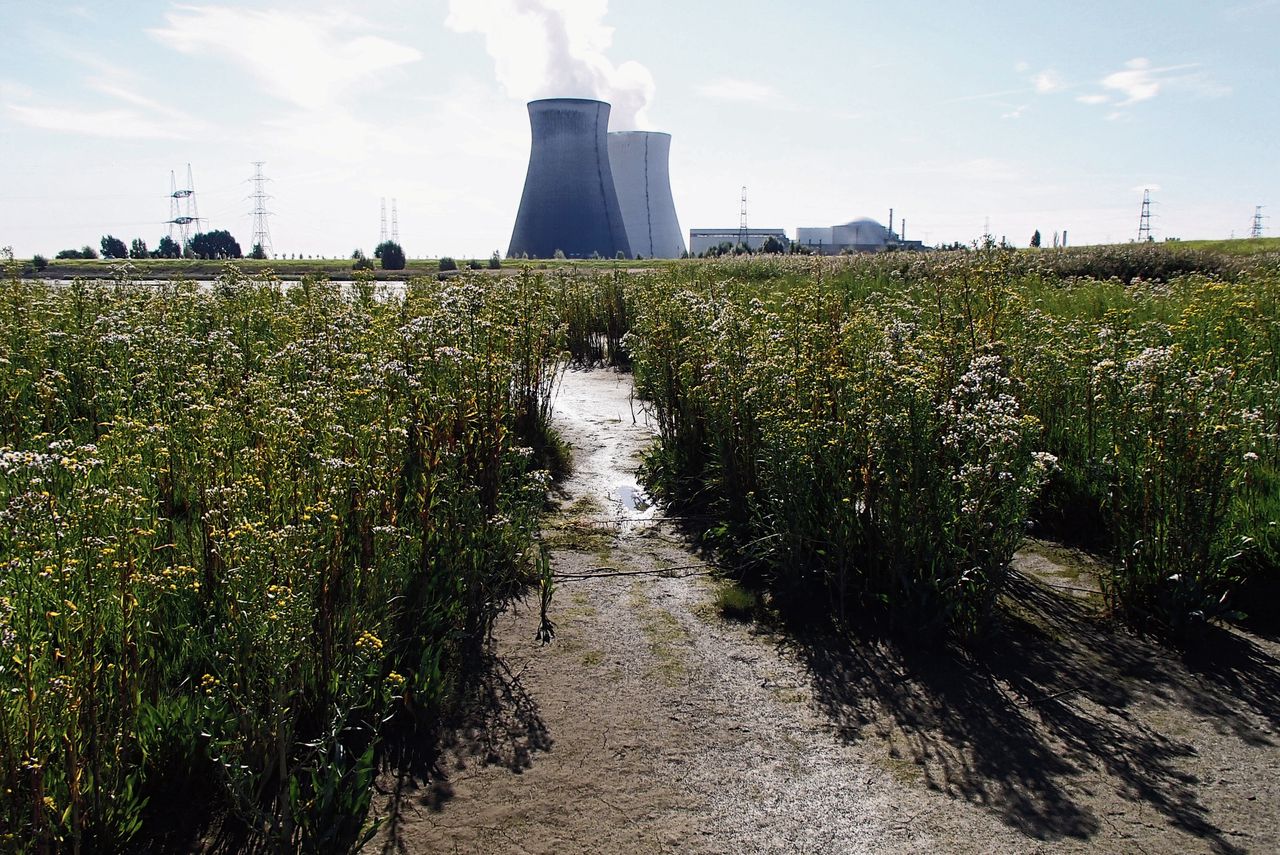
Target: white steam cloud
556 49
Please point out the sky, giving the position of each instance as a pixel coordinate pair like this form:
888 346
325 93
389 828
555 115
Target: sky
960 116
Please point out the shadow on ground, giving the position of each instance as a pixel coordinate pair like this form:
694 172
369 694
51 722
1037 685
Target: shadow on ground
1060 708
498 723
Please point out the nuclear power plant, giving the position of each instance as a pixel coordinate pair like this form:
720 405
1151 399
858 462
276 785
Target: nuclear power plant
569 204
590 193
640 161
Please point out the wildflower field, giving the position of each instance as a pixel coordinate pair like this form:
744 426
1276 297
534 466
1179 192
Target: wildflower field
873 436
244 530
251 531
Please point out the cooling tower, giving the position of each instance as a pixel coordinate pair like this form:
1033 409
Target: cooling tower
569 200
640 174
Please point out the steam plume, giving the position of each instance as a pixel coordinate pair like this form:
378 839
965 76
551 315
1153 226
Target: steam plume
556 49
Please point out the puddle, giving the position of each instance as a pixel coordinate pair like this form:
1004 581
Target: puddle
633 498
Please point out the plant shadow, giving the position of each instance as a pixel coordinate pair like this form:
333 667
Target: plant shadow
497 723
1056 706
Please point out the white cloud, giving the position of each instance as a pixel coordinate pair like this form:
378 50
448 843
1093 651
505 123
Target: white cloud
733 89
150 105
557 49
1047 81
143 118
311 60
1137 82
1016 112
115 124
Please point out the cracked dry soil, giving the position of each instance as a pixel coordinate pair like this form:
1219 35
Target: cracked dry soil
651 724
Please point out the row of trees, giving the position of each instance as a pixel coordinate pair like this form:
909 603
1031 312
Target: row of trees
771 246
215 244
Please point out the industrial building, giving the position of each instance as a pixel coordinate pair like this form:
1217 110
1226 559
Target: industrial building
701 240
860 235
640 163
570 204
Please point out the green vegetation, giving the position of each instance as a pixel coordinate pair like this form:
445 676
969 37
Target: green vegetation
253 531
1238 246
113 247
248 533
735 602
390 254
876 432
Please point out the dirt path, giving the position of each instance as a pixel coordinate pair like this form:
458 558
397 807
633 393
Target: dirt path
652 724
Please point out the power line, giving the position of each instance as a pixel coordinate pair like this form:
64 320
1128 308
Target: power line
395 224
382 234
1257 222
742 221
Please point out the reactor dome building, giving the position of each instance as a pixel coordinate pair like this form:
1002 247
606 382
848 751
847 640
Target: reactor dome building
570 203
641 175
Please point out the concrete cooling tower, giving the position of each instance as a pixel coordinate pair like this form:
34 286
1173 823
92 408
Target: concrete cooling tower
569 202
640 173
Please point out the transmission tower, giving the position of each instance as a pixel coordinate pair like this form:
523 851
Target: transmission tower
1257 223
1144 222
395 224
382 234
182 208
261 229
742 221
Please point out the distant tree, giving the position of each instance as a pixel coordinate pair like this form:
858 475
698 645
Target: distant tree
357 254
168 248
495 261
362 263
447 263
258 252
39 262
113 247
773 246
1035 239
474 264
138 248
83 252
559 254
215 244
390 254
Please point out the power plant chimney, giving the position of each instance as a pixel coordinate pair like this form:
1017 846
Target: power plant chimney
640 161
570 202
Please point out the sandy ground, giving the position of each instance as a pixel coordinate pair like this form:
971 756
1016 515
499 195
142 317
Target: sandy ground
652 724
